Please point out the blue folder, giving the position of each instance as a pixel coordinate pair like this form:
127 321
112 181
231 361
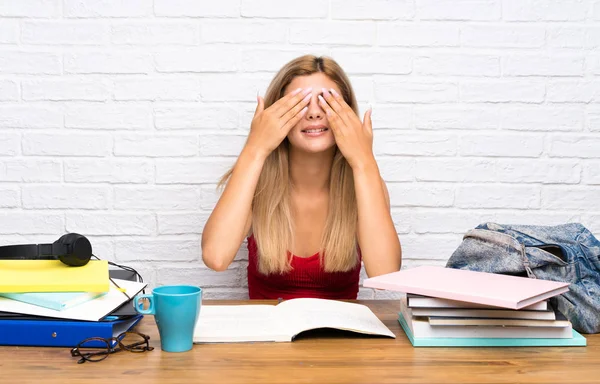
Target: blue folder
576 341
60 333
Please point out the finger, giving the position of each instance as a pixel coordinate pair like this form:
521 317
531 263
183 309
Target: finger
289 101
296 109
367 122
348 113
337 104
332 117
294 120
332 101
277 104
260 105
340 99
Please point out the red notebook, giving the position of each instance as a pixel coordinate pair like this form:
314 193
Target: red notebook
470 286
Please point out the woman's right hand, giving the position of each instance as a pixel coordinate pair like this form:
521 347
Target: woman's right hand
270 126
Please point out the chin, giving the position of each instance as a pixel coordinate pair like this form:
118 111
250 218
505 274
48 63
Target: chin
317 148
312 145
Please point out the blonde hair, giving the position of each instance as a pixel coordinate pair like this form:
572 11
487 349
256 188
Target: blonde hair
271 213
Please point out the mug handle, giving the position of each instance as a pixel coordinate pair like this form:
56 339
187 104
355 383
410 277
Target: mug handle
139 307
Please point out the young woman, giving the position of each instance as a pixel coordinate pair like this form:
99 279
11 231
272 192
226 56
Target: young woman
305 191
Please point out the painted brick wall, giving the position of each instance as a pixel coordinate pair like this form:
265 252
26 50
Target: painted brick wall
117 117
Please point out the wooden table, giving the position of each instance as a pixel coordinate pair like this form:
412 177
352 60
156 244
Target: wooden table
316 358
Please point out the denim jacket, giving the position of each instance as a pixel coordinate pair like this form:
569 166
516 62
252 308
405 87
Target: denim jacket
566 253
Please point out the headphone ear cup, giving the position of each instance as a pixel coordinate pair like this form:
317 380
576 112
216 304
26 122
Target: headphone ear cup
79 249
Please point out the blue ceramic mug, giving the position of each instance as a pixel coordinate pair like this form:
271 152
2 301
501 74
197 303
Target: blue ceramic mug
176 309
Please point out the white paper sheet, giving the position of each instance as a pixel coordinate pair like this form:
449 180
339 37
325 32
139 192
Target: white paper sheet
237 323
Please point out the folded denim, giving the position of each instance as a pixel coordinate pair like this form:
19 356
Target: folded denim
567 253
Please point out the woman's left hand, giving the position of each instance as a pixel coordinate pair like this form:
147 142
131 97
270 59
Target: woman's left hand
353 137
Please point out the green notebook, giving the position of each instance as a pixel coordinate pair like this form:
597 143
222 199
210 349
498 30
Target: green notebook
54 300
576 341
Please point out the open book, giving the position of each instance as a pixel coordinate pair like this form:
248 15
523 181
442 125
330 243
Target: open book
284 321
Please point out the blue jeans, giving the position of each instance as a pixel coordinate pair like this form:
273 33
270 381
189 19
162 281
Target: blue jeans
566 253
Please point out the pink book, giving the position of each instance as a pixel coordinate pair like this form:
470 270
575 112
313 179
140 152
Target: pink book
470 286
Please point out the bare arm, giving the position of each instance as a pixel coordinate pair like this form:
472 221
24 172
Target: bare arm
377 235
231 219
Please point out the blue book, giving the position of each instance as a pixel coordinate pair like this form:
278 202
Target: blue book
54 300
576 341
60 333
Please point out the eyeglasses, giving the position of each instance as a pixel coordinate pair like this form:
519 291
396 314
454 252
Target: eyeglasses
96 349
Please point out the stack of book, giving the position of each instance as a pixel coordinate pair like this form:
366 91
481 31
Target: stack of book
45 303
452 307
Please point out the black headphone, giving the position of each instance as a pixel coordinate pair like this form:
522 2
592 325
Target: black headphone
72 249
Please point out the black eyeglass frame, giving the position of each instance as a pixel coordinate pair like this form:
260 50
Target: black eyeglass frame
101 354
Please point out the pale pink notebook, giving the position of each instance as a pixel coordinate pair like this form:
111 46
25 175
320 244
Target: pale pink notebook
474 287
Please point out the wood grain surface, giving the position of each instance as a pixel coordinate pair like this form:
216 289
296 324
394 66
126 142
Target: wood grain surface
316 357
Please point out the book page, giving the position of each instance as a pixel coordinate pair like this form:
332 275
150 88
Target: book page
237 323
304 314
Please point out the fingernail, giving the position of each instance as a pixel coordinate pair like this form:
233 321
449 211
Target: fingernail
321 98
297 91
324 91
333 92
307 90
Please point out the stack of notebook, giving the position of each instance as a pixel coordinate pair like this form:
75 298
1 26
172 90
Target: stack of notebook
46 303
452 307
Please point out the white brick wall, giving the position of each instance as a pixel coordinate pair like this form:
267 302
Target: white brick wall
118 117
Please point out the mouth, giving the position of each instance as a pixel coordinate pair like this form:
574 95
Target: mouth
314 131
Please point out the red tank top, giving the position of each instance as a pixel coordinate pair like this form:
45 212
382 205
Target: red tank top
306 279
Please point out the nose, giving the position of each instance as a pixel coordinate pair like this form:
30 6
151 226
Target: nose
314 112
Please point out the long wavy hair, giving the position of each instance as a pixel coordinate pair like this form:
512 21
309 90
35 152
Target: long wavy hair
272 223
